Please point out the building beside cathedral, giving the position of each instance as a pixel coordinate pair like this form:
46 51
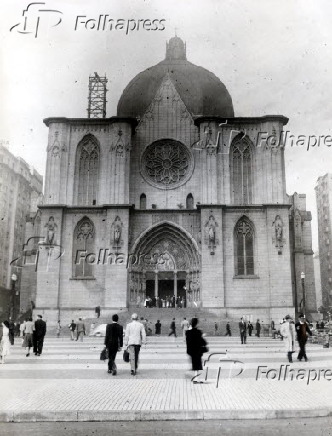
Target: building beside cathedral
173 196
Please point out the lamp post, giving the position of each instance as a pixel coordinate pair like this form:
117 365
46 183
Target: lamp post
303 292
13 296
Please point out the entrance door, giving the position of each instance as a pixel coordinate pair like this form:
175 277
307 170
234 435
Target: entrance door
150 289
165 289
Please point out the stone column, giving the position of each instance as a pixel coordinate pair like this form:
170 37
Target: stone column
175 285
156 284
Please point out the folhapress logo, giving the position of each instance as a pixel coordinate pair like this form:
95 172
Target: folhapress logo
33 17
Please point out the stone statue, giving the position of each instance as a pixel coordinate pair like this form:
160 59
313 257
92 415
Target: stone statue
51 229
210 231
278 233
117 232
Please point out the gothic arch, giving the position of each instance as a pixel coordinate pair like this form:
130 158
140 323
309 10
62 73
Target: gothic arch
241 158
83 245
244 247
87 171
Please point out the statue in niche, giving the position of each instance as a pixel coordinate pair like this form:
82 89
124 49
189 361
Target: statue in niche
51 229
117 232
210 232
278 238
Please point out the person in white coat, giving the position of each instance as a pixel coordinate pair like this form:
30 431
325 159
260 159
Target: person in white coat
4 344
287 330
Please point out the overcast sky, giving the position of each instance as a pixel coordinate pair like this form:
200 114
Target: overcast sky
274 56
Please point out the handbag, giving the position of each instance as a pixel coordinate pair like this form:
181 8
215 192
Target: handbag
126 355
104 354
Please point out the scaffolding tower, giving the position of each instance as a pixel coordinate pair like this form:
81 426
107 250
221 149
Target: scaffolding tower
97 96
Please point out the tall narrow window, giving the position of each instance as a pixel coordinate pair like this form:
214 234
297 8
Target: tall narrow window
244 247
190 201
87 170
241 171
142 201
83 248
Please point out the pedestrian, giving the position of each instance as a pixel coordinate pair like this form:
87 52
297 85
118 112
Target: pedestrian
302 332
17 329
134 337
113 342
287 329
97 311
28 336
185 327
215 329
195 347
72 327
80 329
250 328
11 331
5 342
228 329
158 327
39 334
172 328
58 329
22 328
92 327
258 328
243 331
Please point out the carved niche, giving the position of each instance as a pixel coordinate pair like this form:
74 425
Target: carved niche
210 233
278 236
51 231
116 234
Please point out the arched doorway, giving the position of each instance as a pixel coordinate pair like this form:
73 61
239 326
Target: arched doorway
165 268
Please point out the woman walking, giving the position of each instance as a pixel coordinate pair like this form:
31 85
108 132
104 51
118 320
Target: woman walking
196 346
5 343
287 330
28 336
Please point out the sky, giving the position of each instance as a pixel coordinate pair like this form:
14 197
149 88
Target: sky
274 57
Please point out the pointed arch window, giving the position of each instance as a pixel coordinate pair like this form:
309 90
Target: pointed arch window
244 247
241 171
83 248
190 201
87 171
142 201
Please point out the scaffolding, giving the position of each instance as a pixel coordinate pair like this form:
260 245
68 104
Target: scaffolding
97 96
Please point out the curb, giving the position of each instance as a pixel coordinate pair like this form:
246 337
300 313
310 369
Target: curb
151 415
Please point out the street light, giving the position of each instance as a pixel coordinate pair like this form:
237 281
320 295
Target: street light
303 292
13 299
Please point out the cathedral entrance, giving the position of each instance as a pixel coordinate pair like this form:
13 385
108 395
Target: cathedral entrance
168 275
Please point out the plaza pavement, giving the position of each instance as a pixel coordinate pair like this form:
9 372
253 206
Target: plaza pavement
68 382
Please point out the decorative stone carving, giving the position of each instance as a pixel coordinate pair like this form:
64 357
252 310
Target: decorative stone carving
210 233
166 164
56 148
278 238
85 229
117 233
51 230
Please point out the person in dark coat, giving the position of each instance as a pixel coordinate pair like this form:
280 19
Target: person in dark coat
158 327
302 331
38 335
195 343
172 328
228 330
113 342
11 331
243 331
258 328
250 328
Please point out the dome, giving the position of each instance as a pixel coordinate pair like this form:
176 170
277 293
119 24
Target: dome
201 91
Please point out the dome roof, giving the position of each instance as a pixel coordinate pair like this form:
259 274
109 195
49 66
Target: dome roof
201 91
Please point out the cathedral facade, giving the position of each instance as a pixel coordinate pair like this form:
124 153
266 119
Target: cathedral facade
174 196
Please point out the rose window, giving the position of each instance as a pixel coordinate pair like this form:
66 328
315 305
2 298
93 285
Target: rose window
167 164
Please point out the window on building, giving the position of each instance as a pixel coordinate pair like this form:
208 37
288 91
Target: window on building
244 247
87 170
241 170
142 201
190 201
83 245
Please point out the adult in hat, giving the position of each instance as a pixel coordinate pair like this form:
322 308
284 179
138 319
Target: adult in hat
302 332
287 330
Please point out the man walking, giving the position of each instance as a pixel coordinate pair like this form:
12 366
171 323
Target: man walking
39 334
185 327
243 331
172 328
72 327
302 332
250 328
228 329
134 337
113 342
258 328
80 329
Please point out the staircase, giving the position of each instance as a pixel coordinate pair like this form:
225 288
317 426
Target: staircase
207 320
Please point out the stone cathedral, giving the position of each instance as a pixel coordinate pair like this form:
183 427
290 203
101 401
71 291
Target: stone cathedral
172 196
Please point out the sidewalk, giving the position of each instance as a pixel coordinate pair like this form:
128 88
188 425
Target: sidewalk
45 390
